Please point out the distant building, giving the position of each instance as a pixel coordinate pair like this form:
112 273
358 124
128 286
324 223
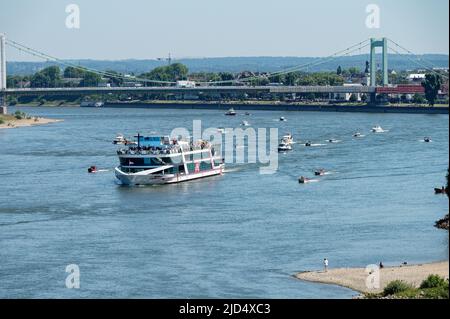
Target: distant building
104 85
131 84
416 77
186 84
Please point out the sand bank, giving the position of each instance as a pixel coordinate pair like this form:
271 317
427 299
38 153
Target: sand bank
11 122
355 278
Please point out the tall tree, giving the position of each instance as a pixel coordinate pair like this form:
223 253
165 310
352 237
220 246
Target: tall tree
339 70
170 73
39 80
72 72
432 85
90 79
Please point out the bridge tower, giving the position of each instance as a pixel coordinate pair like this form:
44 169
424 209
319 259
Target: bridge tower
375 43
3 108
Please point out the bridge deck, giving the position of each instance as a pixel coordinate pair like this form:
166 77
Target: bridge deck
200 89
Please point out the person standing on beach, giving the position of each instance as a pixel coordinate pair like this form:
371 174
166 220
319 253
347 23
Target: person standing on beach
325 264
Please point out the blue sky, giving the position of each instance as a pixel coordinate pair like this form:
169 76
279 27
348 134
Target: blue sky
143 29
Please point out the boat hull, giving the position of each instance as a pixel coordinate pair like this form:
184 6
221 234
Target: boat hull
152 179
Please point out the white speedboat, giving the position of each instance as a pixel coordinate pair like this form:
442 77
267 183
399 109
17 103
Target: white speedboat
284 147
378 129
245 123
120 139
357 135
221 130
162 160
283 119
231 112
427 140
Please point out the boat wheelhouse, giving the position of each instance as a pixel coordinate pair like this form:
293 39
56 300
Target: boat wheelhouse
165 160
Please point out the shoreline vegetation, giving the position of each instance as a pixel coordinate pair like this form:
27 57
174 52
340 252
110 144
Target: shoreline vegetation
410 278
20 119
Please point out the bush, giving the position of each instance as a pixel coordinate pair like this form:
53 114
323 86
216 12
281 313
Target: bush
433 281
440 292
395 287
18 115
1 121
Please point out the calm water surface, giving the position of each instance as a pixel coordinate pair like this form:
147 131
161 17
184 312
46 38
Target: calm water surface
240 235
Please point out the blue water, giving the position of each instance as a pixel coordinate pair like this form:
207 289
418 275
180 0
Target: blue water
240 235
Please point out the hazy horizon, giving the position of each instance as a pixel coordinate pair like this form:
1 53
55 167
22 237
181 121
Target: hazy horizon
140 30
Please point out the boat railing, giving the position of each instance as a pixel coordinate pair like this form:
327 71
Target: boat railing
173 149
148 151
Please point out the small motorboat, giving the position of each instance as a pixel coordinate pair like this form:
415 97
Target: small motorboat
247 113
440 190
245 123
284 147
120 139
92 169
378 129
357 134
283 119
303 180
427 140
231 112
333 141
308 144
320 172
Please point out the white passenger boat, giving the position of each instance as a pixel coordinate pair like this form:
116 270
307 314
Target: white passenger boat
162 160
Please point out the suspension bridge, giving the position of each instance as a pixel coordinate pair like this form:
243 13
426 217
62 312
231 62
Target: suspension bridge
232 86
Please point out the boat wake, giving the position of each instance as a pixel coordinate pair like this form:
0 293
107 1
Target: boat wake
315 145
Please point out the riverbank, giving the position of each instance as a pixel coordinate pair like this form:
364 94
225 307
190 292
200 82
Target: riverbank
355 278
9 121
275 106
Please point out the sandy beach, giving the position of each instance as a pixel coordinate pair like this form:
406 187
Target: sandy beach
14 123
355 278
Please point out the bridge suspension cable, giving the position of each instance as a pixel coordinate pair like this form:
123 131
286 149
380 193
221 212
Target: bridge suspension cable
45 56
419 61
357 47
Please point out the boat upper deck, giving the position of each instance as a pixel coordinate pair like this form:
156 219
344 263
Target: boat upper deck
158 146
